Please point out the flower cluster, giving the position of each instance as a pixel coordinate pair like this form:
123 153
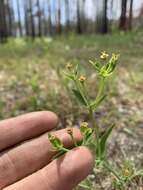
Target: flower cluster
57 144
108 68
55 141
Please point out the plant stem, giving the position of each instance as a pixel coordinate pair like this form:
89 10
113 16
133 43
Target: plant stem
65 149
101 88
96 130
91 113
109 168
84 186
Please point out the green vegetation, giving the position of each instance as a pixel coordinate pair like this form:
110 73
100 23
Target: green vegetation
32 79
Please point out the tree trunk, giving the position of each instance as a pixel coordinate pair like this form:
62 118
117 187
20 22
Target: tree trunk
130 15
39 19
3 24
67 15
26 19
79 29
104 28
19 19
32 20
10 18
83 16
49 17
59 28
123 18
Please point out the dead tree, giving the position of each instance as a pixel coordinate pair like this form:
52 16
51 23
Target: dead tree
123 17
79 28
19 19
31 19
59 27
67 15
3 24
27 33
49 18
39 13
130 15
104 28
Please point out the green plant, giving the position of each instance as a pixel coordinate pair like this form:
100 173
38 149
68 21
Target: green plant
92 136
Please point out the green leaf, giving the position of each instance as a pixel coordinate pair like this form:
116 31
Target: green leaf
96 103
76 69
96 65
69 76
104 139
80 97
84 186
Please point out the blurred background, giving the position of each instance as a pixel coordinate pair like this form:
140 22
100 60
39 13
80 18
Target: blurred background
19 18
37 40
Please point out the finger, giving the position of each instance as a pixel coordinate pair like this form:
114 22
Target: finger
62 174
30 156
24 127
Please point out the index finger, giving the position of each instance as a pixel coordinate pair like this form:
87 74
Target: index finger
21 128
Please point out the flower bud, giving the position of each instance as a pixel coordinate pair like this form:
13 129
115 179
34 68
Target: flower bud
70 131
69 66
83 127
126 173
84 124
104 55
55 141
82 79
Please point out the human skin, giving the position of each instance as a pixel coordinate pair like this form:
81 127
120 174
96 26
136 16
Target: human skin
26 155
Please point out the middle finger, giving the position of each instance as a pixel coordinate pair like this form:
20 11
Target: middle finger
29 157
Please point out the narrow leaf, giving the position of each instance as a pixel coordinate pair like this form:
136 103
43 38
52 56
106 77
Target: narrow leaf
98 102
79 96
69 76
88 134
96 65
104 139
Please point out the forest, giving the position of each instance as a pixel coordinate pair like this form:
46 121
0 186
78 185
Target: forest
35 18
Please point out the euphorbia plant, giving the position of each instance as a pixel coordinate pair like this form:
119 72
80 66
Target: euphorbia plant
91 132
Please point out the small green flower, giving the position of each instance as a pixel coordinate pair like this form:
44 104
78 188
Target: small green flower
55 141
85 131
112 63
107 69
69 66
83 127
104 55
82 79
126 173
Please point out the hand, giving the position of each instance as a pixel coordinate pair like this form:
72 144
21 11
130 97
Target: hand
26 154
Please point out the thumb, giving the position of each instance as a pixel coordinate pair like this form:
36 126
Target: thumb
61 174
70 169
